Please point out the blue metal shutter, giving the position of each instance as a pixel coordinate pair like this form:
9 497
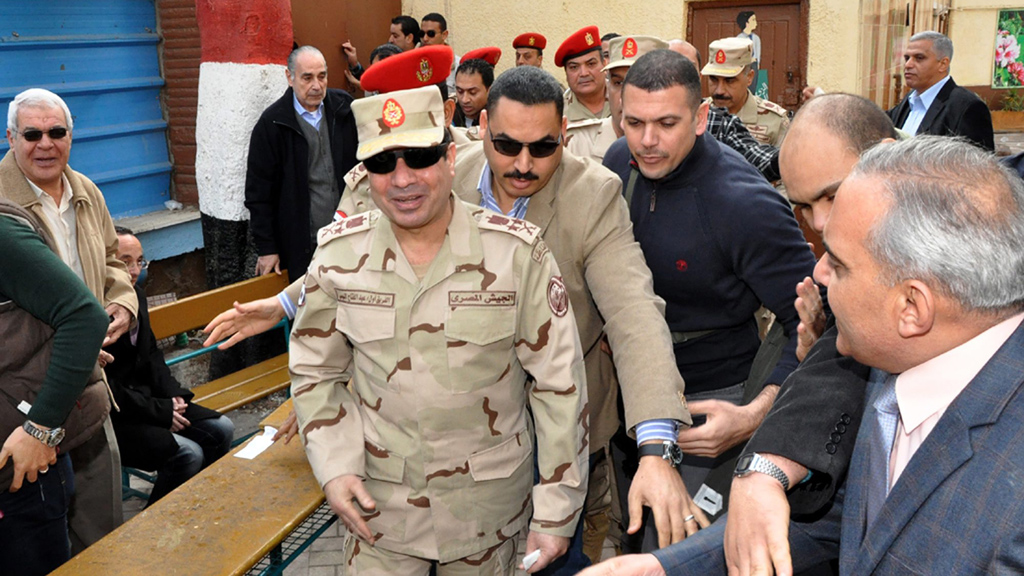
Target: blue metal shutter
101 57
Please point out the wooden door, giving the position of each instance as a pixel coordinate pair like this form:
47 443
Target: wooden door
328 25
782 27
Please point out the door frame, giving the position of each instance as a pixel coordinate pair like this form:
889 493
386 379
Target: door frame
805 8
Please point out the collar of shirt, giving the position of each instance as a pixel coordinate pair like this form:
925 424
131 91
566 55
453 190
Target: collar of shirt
488 201
312 118
928 96
928 389
67 196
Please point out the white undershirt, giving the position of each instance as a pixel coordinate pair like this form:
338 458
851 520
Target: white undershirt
62 224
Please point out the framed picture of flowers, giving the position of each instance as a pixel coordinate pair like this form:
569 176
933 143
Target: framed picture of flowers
1008 69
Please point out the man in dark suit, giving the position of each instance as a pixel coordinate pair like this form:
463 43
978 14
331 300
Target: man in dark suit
300 148
925 254
936 105
157 425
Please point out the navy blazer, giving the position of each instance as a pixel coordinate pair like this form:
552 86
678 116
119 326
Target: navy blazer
958 507
955 111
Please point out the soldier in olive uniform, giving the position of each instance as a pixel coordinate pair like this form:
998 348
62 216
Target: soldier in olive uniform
580 55
729 75
435 312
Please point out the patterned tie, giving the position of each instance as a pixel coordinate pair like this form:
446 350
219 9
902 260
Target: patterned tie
887 417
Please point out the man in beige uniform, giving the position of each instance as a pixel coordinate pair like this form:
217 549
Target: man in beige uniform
580 55
592 138
729 75
436 312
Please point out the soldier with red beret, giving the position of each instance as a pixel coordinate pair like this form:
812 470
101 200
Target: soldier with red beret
580 55
489 54
529 48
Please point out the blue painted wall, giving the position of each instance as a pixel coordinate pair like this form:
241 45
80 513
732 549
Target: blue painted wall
101 57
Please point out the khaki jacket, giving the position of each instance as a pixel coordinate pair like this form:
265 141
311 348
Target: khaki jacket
590 138
766 120
435 415
575 110
105 275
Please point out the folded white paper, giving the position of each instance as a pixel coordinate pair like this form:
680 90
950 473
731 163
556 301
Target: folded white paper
258 444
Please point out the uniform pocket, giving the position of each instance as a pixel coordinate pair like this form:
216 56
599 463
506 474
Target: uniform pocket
384 465
480 345
371 331
502 460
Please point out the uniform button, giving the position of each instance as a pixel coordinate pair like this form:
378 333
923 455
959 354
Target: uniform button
845 418
830 448
841 428
836 437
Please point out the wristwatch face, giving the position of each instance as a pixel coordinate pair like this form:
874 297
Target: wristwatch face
743 465
673 454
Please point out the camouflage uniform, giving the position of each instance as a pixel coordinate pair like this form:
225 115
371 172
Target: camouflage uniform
590 138
766 120
434 416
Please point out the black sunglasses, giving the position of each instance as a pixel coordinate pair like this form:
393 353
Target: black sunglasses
538 149
35 135
415 158
430 33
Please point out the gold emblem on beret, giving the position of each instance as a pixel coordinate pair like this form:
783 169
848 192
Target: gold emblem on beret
629 48
393 114
589 38
425 72
532 40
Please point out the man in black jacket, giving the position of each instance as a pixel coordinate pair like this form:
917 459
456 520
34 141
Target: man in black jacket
157 426
937 105
719 241
300 148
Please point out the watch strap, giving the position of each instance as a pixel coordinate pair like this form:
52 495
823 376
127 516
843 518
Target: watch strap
765 466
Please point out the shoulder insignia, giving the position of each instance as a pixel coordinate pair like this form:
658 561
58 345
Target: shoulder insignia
577 124
355 175
347 226
769 106
488 220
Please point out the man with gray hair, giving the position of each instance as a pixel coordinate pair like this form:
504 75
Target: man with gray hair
300 148
35 174
925 257
936 105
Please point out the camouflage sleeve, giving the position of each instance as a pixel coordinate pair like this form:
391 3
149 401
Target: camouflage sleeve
320 362
547 345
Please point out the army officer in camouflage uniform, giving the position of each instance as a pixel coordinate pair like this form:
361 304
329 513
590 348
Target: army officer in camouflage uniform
435 312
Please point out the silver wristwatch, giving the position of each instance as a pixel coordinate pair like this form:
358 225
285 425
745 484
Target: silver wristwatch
756 463
50 437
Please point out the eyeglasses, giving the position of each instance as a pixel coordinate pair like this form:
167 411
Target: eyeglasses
538 149
141 264
430 33
35 135
415 158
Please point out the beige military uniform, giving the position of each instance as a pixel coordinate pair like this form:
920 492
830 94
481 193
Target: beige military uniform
434 417
590 138
766 120
464 135
575 110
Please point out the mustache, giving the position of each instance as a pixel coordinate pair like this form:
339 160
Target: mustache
516 174
721 97
651 152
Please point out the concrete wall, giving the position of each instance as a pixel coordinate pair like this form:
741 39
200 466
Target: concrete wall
972 28
833 45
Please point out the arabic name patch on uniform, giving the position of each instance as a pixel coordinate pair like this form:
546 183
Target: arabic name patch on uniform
558 298
481 298
366 298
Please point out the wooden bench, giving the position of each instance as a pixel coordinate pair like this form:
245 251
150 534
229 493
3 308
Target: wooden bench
225 520
242 387
231 391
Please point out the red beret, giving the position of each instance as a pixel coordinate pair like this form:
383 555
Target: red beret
530 40
410 69
490 54
580 42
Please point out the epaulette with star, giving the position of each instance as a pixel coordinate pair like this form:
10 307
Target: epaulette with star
347 226
488 220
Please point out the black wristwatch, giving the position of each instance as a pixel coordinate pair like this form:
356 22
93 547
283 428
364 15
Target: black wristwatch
754 462
665 450
50 437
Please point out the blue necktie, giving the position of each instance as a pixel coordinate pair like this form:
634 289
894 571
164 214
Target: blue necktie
887 417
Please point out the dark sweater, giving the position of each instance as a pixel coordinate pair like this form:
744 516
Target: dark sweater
41 284
719 242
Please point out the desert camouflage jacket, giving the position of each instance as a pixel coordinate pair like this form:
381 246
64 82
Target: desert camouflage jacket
435 415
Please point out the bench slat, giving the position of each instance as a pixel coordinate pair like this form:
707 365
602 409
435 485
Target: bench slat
220 522
197 311
240 388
